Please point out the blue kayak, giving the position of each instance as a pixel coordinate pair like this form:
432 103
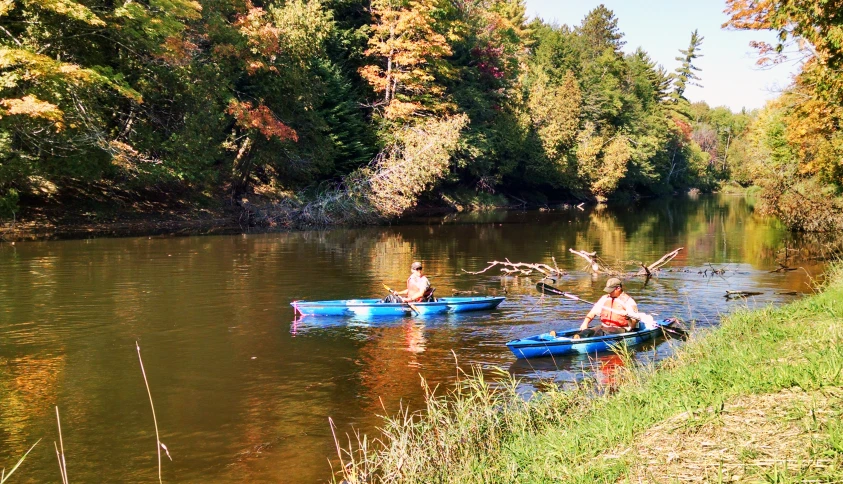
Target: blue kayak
374 307
563 343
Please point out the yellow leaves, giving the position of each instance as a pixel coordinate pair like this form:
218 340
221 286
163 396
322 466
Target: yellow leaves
31 67
397 109
33 107
303 26
181 9
71 9
554 112
405 48
6 6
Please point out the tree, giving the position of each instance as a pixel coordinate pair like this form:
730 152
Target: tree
685 75
406 49
599 31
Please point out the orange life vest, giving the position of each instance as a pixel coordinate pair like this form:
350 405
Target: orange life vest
611 314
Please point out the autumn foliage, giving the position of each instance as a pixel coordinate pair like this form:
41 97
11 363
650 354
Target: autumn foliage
261 119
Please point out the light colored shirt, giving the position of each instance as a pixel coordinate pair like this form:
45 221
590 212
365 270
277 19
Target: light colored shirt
611 310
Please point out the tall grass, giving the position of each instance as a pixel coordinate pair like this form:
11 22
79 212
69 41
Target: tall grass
487 432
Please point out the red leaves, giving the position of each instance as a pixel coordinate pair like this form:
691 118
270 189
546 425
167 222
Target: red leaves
489 60
260 119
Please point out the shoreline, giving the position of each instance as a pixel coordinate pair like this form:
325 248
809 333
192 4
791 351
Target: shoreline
757 398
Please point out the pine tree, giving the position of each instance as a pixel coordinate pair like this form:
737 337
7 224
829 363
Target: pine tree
685 74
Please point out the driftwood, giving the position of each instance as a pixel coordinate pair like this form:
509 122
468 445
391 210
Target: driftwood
784 268
657 265
736 294
522 268
597 266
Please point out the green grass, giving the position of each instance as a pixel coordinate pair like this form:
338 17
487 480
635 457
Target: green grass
485 432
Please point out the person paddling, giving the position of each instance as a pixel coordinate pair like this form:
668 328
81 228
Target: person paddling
611 308
418 286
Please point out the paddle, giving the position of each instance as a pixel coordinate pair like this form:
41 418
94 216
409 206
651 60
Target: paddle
408 303
646 318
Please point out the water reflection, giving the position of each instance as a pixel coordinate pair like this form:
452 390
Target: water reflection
244 391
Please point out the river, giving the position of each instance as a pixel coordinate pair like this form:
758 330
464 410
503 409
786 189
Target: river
243 391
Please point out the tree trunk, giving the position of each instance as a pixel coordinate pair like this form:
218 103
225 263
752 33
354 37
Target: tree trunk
242 168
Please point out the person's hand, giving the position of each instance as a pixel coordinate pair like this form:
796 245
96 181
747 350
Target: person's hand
583 326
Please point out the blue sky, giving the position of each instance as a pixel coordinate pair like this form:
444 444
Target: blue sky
661 27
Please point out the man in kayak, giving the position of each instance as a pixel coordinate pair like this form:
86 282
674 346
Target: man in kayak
612 309
418 286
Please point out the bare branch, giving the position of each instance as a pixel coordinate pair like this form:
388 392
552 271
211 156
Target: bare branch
656 266
522 268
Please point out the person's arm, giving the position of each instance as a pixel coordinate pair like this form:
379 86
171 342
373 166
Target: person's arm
631 307
593 313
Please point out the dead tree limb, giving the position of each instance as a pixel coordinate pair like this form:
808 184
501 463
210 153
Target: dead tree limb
521 268
657 265
784 268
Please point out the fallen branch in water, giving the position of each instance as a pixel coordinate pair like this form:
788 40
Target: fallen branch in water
521 268
783 268
657 265
736 294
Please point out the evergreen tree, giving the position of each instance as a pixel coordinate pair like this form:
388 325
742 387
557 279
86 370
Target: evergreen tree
686 73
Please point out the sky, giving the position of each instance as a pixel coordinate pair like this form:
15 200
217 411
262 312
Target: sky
729 74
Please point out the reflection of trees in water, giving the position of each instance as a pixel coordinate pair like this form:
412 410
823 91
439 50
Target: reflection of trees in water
28 386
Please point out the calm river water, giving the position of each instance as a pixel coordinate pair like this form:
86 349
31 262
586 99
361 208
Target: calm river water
243 392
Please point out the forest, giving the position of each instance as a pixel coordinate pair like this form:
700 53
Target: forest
322 112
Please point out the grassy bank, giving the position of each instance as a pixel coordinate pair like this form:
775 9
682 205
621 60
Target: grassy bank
758 399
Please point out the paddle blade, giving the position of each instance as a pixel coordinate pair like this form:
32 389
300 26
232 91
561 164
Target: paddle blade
548 289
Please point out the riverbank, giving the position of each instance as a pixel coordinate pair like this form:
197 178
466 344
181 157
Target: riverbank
758 399
126 215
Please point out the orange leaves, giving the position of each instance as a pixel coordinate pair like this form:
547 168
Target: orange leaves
750 14
260 119
33 107
405 48
684 129
177 51
261 34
